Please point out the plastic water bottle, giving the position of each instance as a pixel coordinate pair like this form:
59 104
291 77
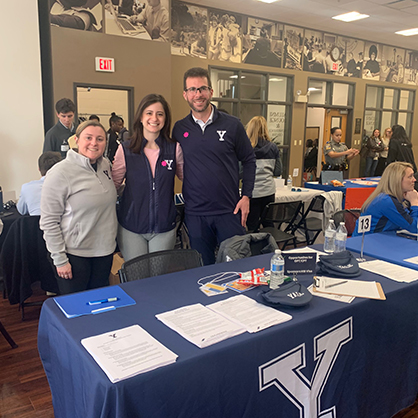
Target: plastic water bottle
289 182
330 232
276 270
340 238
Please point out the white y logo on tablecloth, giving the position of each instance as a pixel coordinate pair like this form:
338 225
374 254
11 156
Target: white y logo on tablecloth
284 371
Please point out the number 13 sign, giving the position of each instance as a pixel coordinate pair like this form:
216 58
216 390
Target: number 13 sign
364 223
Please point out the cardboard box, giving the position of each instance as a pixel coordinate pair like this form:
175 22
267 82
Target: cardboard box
114 272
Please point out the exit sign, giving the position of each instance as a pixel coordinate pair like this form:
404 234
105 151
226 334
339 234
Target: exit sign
105 64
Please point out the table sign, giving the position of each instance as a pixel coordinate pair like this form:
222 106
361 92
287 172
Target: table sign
364 224
300 263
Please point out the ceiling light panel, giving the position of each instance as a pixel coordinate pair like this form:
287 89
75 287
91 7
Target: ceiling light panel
350 17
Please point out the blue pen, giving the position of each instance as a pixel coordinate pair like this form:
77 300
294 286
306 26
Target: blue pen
98 302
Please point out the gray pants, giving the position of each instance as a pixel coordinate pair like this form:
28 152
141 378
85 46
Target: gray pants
133 245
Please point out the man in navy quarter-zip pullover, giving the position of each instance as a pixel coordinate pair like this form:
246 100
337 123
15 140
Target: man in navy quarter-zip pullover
213 144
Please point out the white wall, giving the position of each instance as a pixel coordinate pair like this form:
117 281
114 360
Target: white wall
21 115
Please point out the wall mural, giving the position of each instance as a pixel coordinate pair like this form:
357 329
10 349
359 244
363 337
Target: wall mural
188 30
293 47
262 42
411 68
392 66
372 58
226 36
351 56
129 18
77 14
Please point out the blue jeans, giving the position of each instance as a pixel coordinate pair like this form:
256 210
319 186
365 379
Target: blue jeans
371 165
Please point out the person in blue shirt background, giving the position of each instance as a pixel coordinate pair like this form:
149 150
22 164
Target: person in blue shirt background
30 196
394 203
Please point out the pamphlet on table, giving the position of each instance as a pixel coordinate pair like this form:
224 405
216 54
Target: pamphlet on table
390 270
127 352
249 313
200 325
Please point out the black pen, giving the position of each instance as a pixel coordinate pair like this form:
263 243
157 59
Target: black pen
335 284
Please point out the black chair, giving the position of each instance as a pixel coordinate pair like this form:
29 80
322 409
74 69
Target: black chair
349 216
182 236
281 213
25 260
6 335
158 263
309 224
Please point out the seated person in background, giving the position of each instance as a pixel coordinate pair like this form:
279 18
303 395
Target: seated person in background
30 196
394 203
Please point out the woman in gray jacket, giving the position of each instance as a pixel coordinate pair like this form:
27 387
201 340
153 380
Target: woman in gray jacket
269 166
78 213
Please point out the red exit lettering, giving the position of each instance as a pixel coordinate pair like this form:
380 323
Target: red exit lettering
106 64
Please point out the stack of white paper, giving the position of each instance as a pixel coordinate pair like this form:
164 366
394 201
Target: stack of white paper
390 270
249 313
126 352
200 325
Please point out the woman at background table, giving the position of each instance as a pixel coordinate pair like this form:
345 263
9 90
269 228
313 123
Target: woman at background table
394 203
383 155
337 154
148 163
374 146
400 147
78 213
269 166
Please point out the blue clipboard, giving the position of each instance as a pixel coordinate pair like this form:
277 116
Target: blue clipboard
93 301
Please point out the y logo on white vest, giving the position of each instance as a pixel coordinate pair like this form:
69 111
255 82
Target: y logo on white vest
221 135
284 371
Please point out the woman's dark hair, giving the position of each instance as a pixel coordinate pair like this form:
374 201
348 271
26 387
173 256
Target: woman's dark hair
138 130
399 134
334 129
372 50
114 118
309 143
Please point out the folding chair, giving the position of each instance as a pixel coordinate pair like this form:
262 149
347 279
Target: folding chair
158 263
281 213
310 224
6 335
25 261
349 216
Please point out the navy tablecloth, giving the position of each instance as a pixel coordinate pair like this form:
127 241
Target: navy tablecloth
331 360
